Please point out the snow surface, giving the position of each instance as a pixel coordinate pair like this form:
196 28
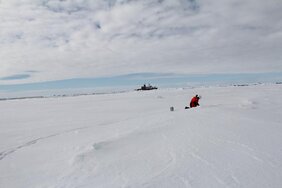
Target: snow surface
133 140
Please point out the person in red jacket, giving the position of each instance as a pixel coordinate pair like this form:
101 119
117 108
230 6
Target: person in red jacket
195 101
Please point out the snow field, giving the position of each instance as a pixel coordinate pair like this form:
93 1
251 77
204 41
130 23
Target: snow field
133 140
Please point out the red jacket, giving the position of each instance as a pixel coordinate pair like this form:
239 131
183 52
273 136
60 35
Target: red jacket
194 102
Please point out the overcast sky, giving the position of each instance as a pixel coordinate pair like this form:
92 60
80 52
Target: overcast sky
44 40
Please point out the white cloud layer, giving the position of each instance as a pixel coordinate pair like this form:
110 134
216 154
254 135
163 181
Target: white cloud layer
59 39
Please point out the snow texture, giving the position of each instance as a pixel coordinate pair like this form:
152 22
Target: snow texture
133 140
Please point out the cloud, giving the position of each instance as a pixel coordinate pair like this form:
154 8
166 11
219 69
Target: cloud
16 77
62 39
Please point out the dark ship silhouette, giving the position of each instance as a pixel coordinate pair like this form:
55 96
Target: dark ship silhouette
146 87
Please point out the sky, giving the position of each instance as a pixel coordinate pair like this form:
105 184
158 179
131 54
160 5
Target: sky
49 40
132 82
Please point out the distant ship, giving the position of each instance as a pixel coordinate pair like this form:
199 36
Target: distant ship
148 87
